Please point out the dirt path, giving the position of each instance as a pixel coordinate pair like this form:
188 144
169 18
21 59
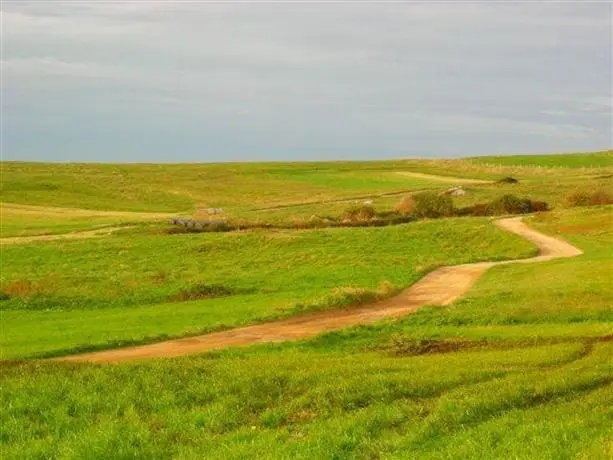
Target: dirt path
338 200
10 209
440 287
99 232
446 179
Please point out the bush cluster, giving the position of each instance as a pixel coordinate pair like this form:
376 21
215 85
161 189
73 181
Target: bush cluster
406 205
201 291
422 205
359 213
432 205
588 198
507 180
506 204
361 219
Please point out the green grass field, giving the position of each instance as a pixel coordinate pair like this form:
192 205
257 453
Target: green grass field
121 287
519 368
577 160
177 188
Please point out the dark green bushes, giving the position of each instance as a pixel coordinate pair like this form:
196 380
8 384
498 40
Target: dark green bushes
506 204
507 180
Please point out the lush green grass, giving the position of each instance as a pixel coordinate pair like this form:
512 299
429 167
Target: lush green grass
89 292
515 376
520 368
16 223
34 227
574 160
485 403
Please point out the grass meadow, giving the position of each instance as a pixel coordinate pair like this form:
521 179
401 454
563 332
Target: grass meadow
60 198
576 160
519 368
127 288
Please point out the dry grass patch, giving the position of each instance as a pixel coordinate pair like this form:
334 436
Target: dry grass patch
406 206
588 198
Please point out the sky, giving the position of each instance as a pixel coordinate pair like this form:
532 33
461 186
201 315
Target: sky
196 81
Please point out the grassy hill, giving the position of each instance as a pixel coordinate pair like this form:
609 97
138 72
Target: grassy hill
42 198
178 187
519 368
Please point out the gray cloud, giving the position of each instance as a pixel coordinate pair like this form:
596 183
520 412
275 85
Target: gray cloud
219 81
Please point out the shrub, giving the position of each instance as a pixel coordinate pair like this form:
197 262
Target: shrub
25 289
159 277
507 180
539 206
406 205
509 204
588 198
577 198
601 197
201 291
359 213
200 227
431 204
478 210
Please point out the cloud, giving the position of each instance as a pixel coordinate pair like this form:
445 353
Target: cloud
336 79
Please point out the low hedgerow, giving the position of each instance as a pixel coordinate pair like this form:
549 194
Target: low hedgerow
588 198
509 204
201 227
506 204
359 213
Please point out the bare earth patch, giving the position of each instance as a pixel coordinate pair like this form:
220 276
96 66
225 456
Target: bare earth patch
10 209
62 236
447 179
440 287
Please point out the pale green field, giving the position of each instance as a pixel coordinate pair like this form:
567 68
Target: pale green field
269 193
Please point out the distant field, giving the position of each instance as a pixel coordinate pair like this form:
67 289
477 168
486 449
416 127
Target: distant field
577 160
178 188
521 368
268 192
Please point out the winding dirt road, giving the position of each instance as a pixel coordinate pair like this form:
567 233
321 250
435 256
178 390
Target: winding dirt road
440 287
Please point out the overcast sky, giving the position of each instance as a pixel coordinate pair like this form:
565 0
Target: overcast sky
197 81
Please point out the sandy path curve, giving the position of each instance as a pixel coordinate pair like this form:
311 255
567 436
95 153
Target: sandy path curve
440 287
